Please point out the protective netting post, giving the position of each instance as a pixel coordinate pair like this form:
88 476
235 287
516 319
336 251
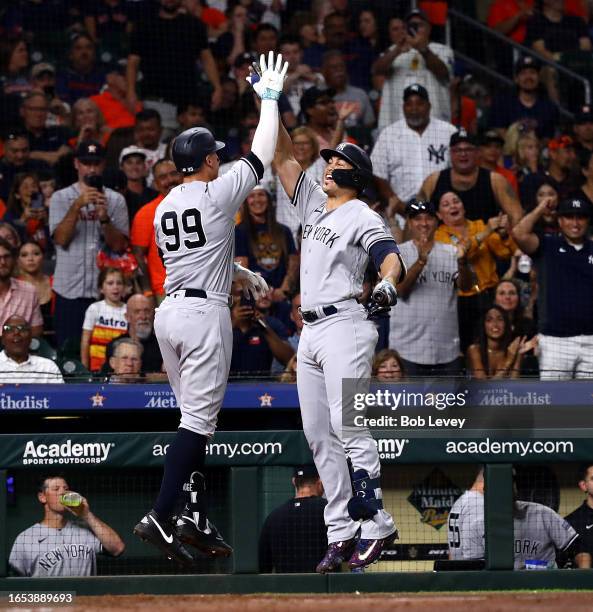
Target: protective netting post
498 516
3 551
244 528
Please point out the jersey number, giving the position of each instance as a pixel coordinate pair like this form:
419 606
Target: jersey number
454 536
191 223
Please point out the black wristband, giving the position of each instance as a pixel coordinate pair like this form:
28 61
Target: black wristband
105 221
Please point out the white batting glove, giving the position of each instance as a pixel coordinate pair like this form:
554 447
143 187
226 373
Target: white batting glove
266 79
384 294
252 283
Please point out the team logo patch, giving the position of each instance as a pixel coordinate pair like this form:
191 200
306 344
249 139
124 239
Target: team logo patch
434 498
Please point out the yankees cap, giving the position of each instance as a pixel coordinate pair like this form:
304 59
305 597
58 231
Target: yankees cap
461 135
491 137
416 90
574 206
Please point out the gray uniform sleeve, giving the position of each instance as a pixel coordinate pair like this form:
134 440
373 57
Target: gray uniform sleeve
230 190
17 558
58 207
118 212
472 536
560 531
371 229
307 197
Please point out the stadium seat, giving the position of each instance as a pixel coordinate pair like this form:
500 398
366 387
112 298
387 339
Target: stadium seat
42 348
74 371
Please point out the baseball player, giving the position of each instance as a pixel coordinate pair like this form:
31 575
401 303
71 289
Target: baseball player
340 234
538 531
57 546
194 231
466 523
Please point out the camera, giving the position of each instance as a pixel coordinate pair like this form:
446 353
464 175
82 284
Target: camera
37 201
95 181
412 29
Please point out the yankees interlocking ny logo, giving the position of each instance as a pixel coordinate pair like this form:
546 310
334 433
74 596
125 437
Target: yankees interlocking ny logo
438 155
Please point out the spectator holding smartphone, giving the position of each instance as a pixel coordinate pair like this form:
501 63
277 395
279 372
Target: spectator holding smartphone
82 217
26 210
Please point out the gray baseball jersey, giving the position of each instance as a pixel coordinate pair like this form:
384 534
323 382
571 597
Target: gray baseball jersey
76 266
539 531
466 527
334 256
42 551
194 229
335 245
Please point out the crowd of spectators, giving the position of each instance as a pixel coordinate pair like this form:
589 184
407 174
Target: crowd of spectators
489 196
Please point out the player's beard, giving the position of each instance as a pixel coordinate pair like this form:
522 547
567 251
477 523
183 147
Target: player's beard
143 330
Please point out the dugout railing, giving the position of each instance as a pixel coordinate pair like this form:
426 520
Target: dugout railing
243 495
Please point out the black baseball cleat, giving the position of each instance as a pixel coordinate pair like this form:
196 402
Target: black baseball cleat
368 551
337 553
195 529
161 534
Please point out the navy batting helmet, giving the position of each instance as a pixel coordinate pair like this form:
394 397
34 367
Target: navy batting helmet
360 176
191 147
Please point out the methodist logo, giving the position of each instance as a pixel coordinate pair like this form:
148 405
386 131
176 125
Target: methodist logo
66 453
23 402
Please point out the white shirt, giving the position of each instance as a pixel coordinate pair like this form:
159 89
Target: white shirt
409 68
424 327
405 158
35 370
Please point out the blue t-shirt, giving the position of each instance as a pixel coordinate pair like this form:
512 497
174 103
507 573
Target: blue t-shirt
268 257
251 351
565 277
506 110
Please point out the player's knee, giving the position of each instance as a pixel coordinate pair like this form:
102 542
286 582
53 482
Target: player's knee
367 496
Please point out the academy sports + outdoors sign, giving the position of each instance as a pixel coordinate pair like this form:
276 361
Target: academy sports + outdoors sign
262 448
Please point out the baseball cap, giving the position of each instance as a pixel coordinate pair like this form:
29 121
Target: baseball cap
131 150
313 95
42 68
417 207
417 13
574 206
560 142
305 471
461 135
242 59
526 61
491 137
118 66
416 90
584 115
90 151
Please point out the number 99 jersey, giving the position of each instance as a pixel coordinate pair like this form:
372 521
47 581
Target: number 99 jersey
194 228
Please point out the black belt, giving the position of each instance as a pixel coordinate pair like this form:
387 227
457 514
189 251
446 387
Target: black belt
192 293
310 316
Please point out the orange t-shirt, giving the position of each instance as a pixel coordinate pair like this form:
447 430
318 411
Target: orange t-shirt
142 235
501 10
212 17
116 113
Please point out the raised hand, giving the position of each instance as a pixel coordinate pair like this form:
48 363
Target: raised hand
267 79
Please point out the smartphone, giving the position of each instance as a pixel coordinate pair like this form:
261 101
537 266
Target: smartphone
412 29
37 201
247 301
95 181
